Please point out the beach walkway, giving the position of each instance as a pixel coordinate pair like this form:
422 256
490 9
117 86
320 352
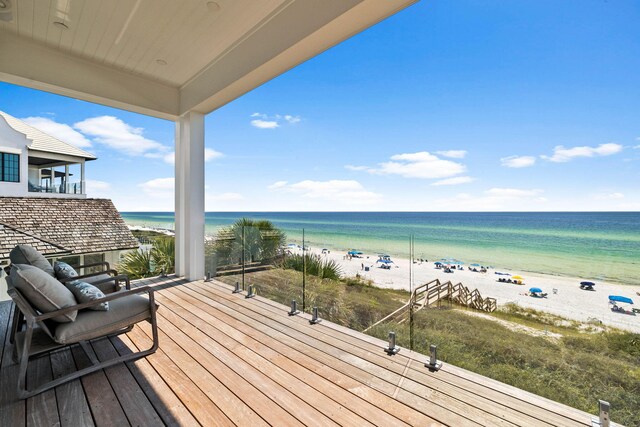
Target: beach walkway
228 360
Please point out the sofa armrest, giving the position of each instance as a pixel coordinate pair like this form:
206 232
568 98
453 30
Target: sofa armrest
84 276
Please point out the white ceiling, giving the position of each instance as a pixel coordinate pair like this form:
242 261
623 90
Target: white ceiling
134 35
167 57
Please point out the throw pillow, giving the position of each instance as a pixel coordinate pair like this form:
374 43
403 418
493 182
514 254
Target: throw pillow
63 270
85 292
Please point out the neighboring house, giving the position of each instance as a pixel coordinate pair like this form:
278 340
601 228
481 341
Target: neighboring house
43 200
78 231
35 164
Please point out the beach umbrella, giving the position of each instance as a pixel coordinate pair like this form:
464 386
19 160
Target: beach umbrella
517 277
385 261
354 252
587 283
535 290
475 264
437 263
618 298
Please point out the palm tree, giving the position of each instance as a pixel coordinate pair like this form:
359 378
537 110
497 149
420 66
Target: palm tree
248 240
146 263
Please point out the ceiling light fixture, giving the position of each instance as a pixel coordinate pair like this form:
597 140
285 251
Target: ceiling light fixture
213 6
61 25
161 62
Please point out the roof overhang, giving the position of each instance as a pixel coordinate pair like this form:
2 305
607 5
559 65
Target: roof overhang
289 33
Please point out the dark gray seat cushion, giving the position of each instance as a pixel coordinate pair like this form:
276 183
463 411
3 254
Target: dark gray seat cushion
93 324
27 255
43 291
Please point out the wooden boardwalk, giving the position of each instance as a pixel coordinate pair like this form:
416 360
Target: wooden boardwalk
227 360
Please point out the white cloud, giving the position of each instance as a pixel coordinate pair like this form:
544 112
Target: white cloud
264 124
356 168
562 154
61 131
637 147
98 189
265 121
423 165
209 154
159 188
118 135
518 161
278 184
454 154
342 191
454 181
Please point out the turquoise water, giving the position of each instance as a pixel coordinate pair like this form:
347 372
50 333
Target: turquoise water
588 245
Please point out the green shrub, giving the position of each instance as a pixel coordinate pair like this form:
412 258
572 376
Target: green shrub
314 265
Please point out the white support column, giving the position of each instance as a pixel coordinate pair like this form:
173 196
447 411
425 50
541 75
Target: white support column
83 189
189 196
66 179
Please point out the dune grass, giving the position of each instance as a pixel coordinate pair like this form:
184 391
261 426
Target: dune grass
582 364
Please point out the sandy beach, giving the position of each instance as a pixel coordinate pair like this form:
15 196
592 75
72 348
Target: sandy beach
567 301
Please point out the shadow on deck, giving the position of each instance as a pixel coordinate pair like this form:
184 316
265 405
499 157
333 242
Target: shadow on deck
227 360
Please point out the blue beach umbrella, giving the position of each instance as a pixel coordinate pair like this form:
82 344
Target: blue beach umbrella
618 298
385 261
354 252
535 290
587 283
437 263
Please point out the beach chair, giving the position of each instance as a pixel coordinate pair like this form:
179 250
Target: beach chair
54 321
104 277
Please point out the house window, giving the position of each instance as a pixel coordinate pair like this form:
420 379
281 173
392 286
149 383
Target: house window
92 259
9 167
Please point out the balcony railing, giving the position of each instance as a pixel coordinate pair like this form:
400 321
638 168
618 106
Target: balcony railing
69 188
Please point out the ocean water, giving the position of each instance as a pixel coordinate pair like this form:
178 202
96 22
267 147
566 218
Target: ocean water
588 245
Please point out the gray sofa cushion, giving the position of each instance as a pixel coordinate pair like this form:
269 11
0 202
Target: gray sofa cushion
92 324
25 254
42 291
85 292
63 270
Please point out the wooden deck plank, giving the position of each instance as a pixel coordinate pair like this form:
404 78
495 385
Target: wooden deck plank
357 396
519 398
367 361
198 403
257 368
12 410
73 408
133 401
199 368
225 360
482 397
172 411
340 360
105 407
42 409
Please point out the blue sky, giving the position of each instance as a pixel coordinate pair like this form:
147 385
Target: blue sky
446 106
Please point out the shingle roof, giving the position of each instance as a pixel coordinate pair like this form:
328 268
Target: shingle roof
11 236
43 141
80 225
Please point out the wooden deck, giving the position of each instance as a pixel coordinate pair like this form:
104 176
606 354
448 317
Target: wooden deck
227 360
